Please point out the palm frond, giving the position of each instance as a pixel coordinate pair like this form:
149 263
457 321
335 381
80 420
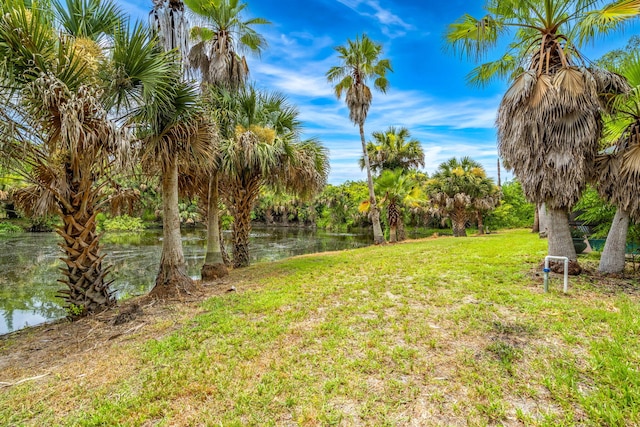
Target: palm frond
606 19
471 37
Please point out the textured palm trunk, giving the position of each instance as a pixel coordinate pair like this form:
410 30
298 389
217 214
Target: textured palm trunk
214 266
402 234
172 278
458 222
536 220
543 218
480 223
393 216
87 290
242 202
378 237
241 231
560 241
613 255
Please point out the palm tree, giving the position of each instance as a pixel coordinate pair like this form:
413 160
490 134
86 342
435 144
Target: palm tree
393 149
222 39
458 189
174 134
618 167
360 61
399 188
549 121
57 133
266 150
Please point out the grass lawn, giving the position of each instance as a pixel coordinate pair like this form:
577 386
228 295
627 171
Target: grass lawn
431 332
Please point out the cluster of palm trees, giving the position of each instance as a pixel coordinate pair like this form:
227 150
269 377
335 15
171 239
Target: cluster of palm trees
550 119
459 189
89 96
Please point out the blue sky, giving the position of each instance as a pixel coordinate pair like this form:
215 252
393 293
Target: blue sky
428 93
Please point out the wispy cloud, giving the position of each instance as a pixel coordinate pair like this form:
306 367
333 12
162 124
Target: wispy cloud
392 24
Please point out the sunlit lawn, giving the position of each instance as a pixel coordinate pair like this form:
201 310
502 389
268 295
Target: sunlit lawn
433 332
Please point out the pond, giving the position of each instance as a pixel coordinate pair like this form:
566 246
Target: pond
30 264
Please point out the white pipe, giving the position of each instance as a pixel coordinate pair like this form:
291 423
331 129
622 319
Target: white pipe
547 270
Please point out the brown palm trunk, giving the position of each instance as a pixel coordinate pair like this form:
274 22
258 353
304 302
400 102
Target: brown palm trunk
459 222
543 219
241 231
560 241
172 278
536 220
393 216
378 237
87 290
214 266
242 202
402 234
613 256
480 223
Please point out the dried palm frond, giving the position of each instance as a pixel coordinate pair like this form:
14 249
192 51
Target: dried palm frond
551 143
358 100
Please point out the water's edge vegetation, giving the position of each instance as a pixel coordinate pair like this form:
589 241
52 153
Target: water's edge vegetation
431 332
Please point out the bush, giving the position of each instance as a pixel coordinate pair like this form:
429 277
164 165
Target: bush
514 211
6 227
122 223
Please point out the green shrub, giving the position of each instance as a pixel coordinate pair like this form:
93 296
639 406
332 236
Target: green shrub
6 227
123 223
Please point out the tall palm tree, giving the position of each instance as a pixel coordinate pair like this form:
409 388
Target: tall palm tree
360 61
266 150
393 149
398 189
175 137
549 121
458 189
220 42
174 134
618 167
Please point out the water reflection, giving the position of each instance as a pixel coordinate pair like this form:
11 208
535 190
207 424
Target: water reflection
30 264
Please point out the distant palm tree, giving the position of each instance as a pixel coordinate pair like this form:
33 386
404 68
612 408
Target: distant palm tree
360 61
393 149
265 150
398 189
458 189
549 120
618 167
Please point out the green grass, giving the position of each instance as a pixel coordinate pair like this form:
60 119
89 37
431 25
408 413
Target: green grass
434 332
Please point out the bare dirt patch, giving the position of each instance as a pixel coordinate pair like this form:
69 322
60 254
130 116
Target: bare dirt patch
41 350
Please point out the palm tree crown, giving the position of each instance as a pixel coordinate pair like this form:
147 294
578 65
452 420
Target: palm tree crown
549 120
222 39
394 149
458 189
618 168
360 61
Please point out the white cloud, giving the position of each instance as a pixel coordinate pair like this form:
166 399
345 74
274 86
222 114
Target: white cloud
392 24
293 82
